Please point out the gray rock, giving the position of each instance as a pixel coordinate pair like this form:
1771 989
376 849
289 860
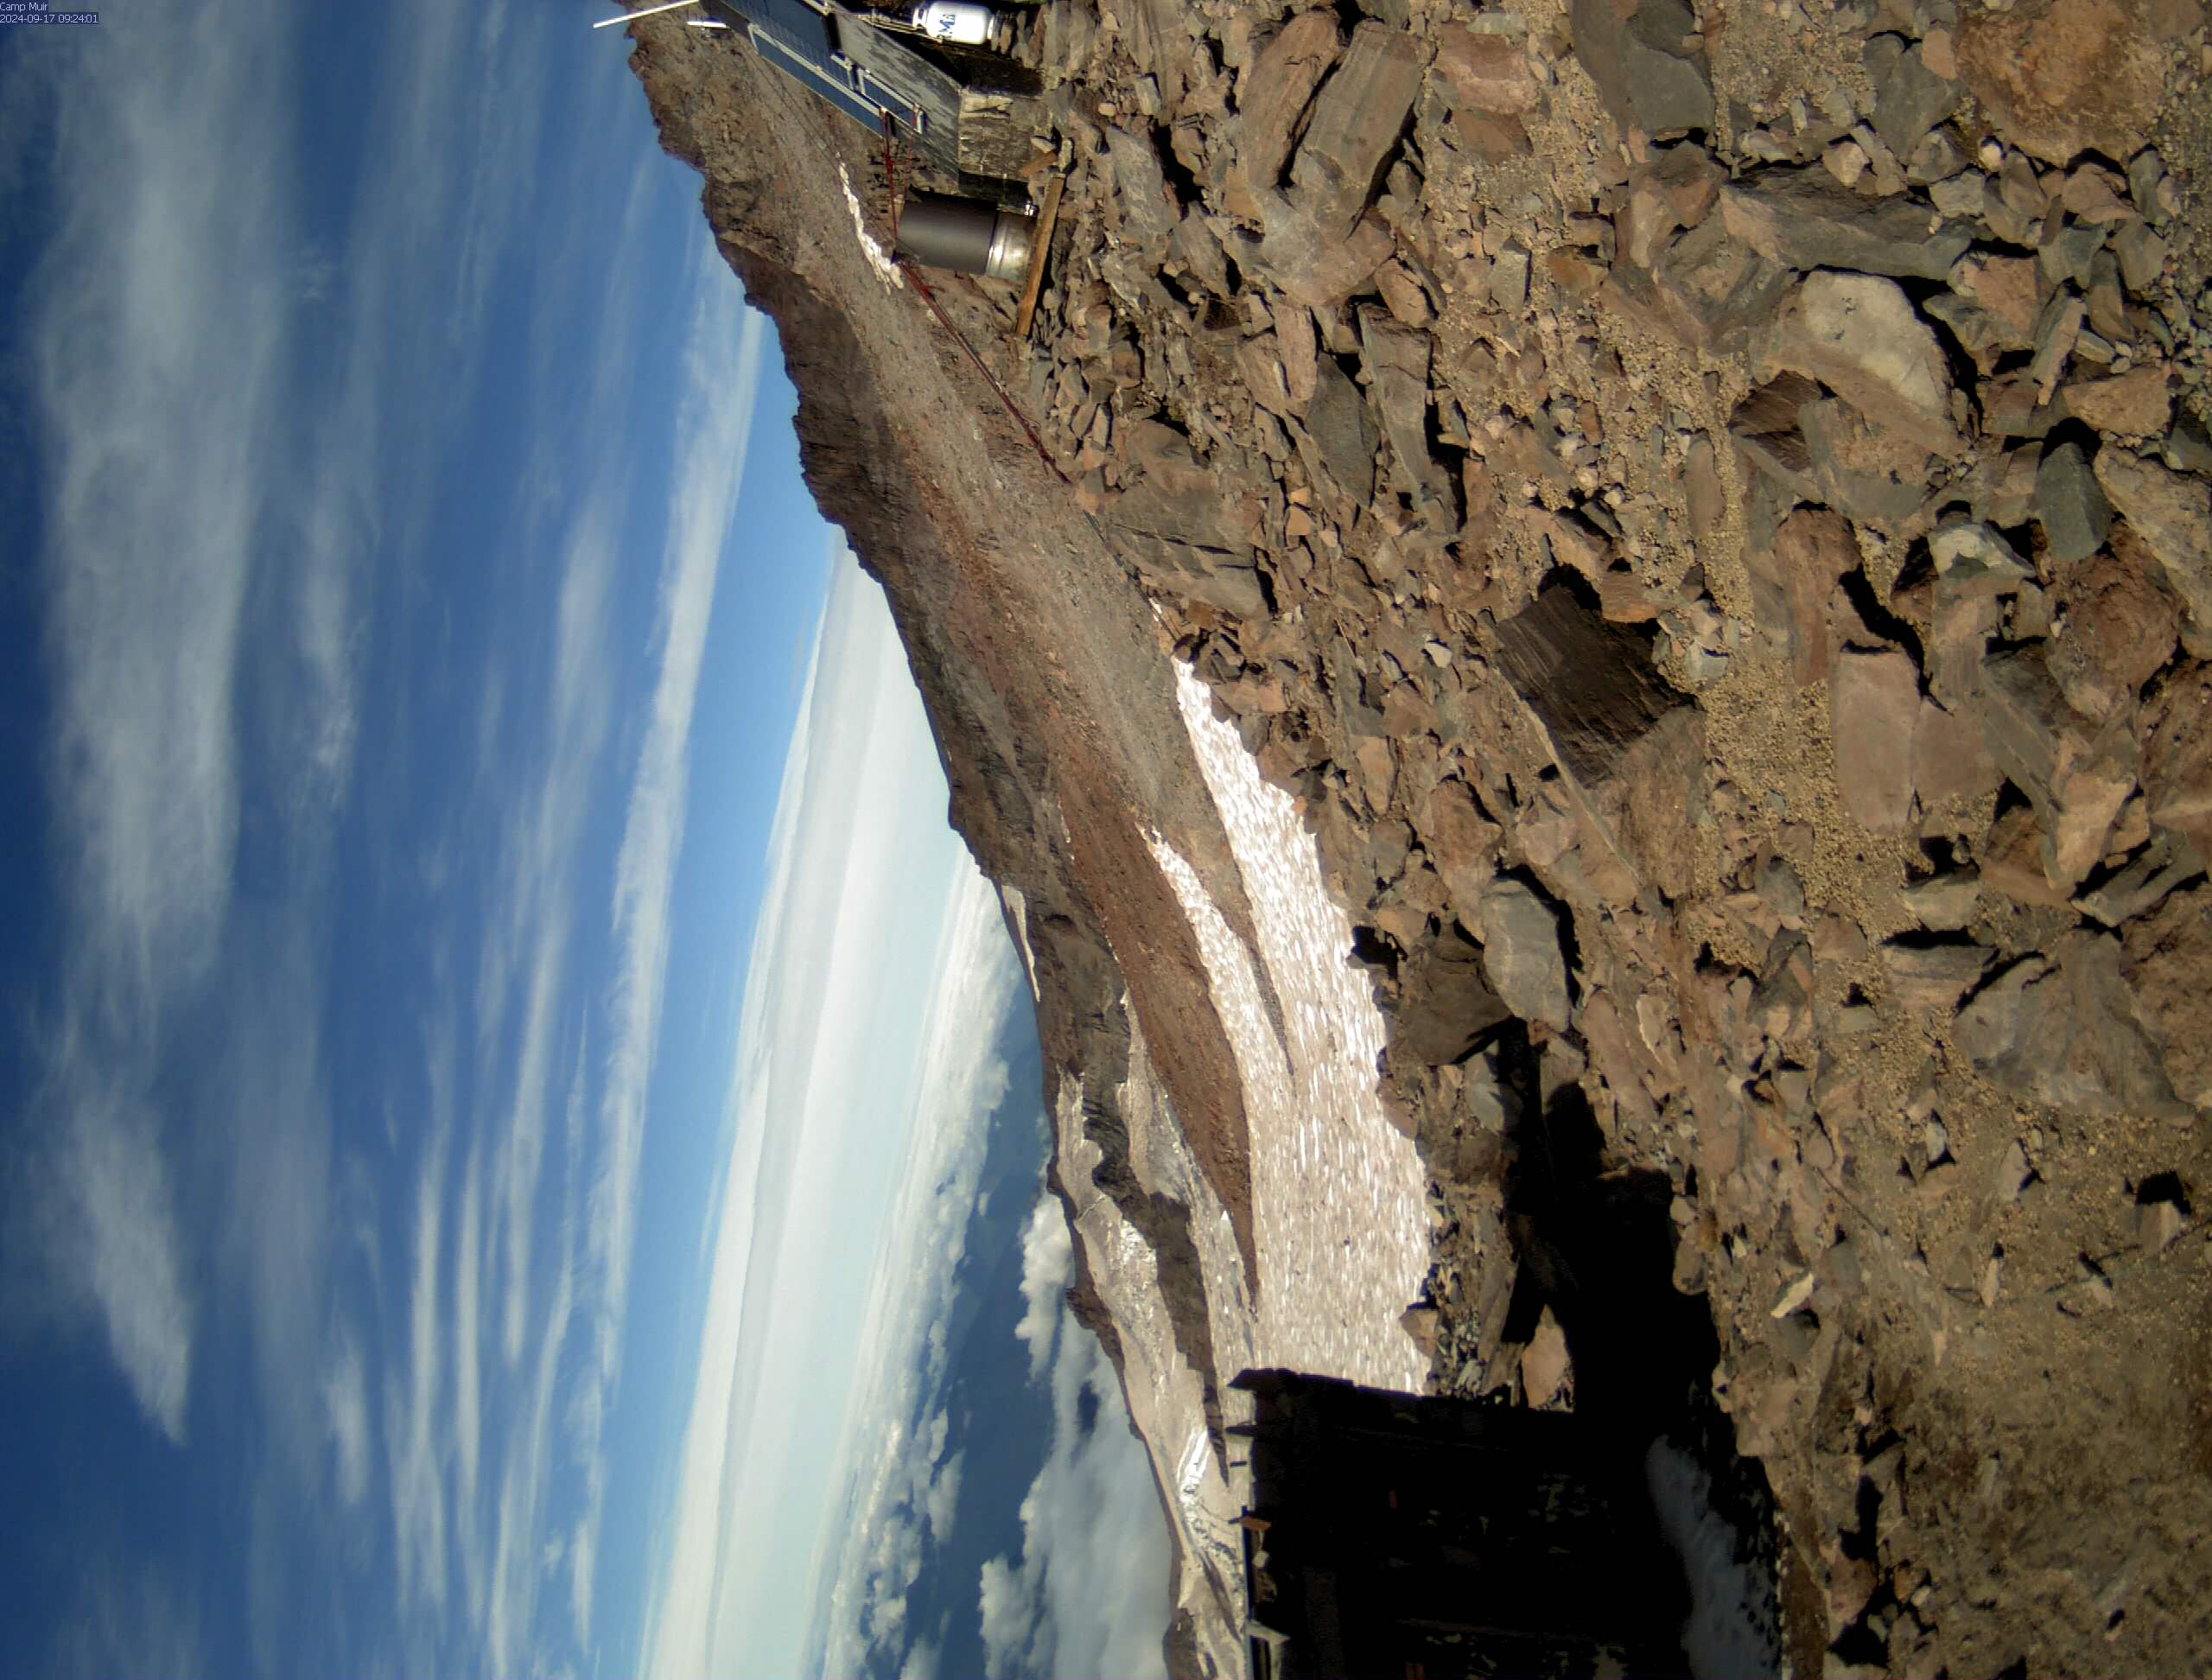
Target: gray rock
1805 218
1968 551
1311 265
1509 279
1645 79
2142 256
2140 884
2187 448
1859 335
1397 360
1146 208
1358 119
1710 290
2076 779
1339 434
2057 330
1783 892
1958 196
2060 1028
1277 88
1910 98
2068 252
1945 903
1520 952
1939 158
2070 505
2173 516
1444 1004
2144 171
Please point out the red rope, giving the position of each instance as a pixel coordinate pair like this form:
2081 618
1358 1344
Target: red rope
1019 419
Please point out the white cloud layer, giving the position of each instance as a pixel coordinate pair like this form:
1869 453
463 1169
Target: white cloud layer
875 990
1047 1269
1089 1593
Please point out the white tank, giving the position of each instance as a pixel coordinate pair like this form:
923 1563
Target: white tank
962 21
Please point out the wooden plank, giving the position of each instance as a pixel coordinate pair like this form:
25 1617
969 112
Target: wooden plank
1040 250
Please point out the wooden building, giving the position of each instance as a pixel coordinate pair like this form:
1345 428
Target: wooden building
1389 1535
968 112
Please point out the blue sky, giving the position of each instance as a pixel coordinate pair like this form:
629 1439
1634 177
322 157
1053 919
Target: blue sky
496 1022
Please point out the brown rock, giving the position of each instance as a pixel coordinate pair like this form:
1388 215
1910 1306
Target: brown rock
1357 119
2012 861
2006 290
2166 860
2062 1029
1863 469
1873 705
1444 1006
2172 513
2116 628
2168 961
1275 92
2136 404
1707 499
1461 842
1631 746
1295 344
1766 428
1858 334
2062 77
1485 73
1944 904
1402 295
1950 762
1590 684
1260 364
1927 975
2177 735
2076 779
1490 136
1544 1365
1964 613
1791 583
1398 359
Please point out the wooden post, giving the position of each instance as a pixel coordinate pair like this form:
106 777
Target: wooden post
1040 251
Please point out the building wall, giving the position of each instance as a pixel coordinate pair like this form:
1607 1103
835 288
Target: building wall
1443 1537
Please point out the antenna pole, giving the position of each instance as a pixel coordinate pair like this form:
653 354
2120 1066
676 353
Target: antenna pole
642 11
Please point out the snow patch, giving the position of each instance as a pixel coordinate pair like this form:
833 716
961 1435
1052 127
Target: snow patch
1341 1219
1731 1633
878 258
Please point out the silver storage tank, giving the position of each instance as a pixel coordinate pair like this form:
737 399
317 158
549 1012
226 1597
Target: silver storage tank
967 235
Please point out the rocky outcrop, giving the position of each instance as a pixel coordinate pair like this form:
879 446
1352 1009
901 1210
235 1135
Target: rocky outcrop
1706 509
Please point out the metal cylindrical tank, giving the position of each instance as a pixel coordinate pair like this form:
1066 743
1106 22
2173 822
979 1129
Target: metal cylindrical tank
965 235
962 22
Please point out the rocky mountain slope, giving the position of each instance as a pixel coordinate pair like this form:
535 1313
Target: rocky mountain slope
1705 512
